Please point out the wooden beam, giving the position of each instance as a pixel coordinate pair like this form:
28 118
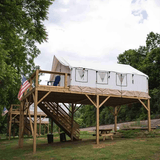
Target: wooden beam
10 122
51 72
91 100
67 107
35 121
30 121
48 128
115 119
111 111
118 109
78 108
97 125
149 118
40 126
35 112
143 104
51 126
104 101
72 122
79 102
65 81
44 97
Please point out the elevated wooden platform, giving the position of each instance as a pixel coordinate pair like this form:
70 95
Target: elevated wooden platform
14 119
49 97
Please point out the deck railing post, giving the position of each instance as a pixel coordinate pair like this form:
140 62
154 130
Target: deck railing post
65 82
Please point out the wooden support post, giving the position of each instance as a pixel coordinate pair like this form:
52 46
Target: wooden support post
40 125
51 126
21 125
30 121
14 131
149 118
97 125
35 113
65 82
10 122
48 128
7 126
44 129
115 119
72 127
35 121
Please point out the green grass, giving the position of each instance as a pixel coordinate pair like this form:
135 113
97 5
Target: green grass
118 149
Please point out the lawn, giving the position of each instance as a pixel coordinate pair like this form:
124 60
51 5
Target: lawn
147 147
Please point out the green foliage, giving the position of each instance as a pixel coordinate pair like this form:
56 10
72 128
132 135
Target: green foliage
21 27
146 59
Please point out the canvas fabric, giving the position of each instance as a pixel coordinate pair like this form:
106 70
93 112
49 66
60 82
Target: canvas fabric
105 91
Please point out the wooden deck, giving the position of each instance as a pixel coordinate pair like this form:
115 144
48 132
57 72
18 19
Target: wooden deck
49 97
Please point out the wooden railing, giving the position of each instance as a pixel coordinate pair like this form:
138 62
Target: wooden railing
34 79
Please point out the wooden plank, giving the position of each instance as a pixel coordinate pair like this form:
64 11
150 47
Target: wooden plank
111 111
51 126
67 107
35 113
44 97
51 72
78 108
65 81
118 109
91 100
143 104
40 126
107 134
97 125
104 101
30 121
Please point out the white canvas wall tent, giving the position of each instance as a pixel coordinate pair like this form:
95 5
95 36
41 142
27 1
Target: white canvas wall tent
101 78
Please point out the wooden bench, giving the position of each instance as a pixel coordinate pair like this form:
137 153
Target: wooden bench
107 135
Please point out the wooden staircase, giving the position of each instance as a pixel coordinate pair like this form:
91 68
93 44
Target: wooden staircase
27 127
61 118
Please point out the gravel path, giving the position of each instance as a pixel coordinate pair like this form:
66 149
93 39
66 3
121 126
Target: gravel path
154 123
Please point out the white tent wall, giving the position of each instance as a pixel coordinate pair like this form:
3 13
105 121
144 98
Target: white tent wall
133 82
117 79
64 69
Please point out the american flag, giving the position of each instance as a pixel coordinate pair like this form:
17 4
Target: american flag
24 86
4 111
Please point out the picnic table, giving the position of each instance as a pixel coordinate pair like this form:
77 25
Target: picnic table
105 133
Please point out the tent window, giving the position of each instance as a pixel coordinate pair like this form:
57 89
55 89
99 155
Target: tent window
121 79
81 75
132 78
101 77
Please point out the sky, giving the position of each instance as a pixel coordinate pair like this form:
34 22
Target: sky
97 30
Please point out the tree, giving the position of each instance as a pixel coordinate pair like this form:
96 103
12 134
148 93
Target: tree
21 27
147 59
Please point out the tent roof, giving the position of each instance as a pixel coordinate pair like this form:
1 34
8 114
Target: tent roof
99 66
